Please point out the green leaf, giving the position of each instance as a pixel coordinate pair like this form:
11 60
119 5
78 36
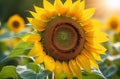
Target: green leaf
117 74
62 76
116 38
26 73
108 68
8 72
2 56
43 74
33 67
93 75
110 71
22 49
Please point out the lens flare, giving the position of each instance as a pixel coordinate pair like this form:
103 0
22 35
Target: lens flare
113 4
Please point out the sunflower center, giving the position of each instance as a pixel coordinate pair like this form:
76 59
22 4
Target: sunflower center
64 38
16 24
114 25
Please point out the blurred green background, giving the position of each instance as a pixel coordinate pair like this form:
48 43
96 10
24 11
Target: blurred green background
21 7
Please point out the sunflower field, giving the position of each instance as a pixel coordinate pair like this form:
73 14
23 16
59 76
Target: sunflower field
60 39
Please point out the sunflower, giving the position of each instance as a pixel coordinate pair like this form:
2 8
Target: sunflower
113 23
67 40
16 23
15 42
1 31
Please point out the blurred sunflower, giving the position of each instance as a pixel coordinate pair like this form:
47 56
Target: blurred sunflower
1 31
113 23
16 23
67 40
15 41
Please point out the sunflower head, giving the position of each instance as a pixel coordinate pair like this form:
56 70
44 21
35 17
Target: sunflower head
1 31
113 23
69 40
15 41
16 23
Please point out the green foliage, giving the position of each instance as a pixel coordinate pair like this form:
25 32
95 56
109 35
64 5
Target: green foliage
6 36
9 72
117 74
116 38
29 72
22 49
62 76
93 75
33 67
108 69
3 47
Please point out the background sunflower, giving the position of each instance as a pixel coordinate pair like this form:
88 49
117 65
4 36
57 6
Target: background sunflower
113 23
16 23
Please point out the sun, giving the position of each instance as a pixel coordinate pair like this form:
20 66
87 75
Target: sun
67 39
16 23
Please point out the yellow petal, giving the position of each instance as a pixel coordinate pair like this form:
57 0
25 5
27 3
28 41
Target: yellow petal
75 69
38 24
91 34
50 9
40 58
97 24
42 14
29 19
73 11
36 50
82 5
90 57
99 39
59 7
66 7
38 9
58 69
84 62
79 65
92 25
35 15
47 5
96 36
68 3
58 4
88 13
80 8
94 64
49 63
66 70
31 38
96 56
95 47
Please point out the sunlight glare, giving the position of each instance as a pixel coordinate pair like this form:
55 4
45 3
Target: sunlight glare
113 4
